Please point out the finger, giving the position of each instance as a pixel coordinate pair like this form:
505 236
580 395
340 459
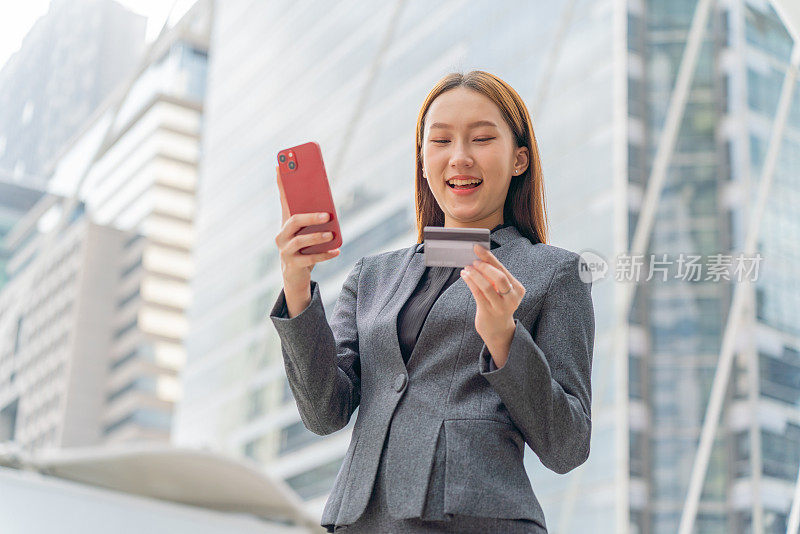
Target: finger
480 298
485 288
284 206
306 240
497 278
298 221
311 259
491 259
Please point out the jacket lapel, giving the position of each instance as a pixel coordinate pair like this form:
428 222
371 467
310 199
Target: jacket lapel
414 268
506 235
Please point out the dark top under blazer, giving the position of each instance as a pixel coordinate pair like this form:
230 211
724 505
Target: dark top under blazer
541 396
434 282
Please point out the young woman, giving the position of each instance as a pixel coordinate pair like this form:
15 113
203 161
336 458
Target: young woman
453 370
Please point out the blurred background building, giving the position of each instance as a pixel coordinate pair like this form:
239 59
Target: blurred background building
15 201
134 166
706 207
754 466
69 62
132 169
55 327
175 168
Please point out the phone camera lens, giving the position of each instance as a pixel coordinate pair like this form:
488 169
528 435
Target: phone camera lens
291 165
282 158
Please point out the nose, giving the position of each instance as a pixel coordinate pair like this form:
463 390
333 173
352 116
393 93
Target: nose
461 156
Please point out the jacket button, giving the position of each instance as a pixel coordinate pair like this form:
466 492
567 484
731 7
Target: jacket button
400 382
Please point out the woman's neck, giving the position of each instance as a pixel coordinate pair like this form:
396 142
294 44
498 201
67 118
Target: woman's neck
488 222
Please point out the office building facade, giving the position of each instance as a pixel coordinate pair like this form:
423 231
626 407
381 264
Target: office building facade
56 322
134 168
15 201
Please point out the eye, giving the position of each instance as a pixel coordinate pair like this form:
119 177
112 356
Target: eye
480 139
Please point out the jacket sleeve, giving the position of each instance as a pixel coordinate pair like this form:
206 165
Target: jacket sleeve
546 382
321 359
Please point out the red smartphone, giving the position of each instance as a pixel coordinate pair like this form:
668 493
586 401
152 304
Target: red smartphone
306 188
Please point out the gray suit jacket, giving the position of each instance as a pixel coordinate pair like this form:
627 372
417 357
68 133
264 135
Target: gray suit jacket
541 396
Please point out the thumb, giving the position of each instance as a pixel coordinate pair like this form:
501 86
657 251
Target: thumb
284 207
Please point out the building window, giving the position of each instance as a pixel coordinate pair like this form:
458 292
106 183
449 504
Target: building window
144 418
637 453
317 481
635 385
766 32
132 267
257 449
125 300
779 378
128 357
125 329
18 335
142 383
781 453
294 437
256 403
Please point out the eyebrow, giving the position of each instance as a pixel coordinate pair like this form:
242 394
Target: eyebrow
470 125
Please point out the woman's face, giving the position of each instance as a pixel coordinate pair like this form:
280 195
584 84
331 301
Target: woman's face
465 136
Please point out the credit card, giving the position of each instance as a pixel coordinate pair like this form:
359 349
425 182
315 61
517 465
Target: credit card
452 247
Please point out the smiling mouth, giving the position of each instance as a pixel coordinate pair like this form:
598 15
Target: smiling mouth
467 186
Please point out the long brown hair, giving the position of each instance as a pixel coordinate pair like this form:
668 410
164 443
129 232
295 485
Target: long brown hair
524 206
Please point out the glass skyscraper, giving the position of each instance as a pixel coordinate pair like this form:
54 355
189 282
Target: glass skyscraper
705 208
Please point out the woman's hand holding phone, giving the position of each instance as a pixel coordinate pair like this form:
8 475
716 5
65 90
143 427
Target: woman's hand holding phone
296 267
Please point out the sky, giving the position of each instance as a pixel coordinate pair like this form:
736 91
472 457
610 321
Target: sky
19 16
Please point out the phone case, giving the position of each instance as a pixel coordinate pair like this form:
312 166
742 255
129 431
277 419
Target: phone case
307 190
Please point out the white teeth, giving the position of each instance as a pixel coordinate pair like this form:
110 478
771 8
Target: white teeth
464 182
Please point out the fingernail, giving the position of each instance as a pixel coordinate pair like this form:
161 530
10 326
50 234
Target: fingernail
327 235
322 216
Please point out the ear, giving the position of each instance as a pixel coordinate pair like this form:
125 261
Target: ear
521 159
